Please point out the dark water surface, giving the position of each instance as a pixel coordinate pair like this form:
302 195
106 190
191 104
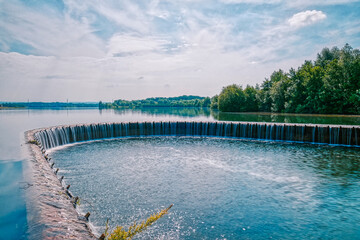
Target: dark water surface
14 157
220 188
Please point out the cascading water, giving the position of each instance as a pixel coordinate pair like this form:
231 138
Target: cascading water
341 135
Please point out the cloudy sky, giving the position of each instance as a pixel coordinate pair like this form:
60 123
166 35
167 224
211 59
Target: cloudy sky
103 50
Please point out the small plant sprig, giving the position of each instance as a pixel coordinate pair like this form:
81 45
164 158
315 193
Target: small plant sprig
119 233
34 142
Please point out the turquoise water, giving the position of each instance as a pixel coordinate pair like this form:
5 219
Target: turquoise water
220 188
13 217
16 219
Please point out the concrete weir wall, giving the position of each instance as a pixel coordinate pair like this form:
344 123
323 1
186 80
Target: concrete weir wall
328 134
53 215
55 204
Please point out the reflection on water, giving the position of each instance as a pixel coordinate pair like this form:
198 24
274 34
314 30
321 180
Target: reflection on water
211 115
288 118
13 222
167 111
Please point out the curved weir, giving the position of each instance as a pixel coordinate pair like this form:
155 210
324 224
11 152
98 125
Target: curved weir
307 133
55 202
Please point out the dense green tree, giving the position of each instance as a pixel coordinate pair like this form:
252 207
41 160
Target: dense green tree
295 93
341 82
264 97
330 84
232 99
181 101
206 102
279 83
215 102
313 82
327 56
251 101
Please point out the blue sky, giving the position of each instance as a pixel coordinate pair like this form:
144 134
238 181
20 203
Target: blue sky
103 50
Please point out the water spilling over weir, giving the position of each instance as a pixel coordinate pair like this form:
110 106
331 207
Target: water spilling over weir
55 206
324 134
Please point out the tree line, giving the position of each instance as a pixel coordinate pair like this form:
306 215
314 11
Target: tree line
330 84
181 101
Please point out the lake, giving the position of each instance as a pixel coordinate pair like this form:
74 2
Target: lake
14 156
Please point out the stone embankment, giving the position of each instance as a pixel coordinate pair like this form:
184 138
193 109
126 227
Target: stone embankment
53 208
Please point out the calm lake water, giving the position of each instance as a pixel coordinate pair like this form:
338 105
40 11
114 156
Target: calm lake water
14 156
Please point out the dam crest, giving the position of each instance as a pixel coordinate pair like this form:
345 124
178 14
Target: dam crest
305 133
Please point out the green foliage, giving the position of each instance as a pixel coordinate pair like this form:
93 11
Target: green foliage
280 82
119 233
214 102
232 99
251 101
206 102
33 142
182 101
330 84
264 97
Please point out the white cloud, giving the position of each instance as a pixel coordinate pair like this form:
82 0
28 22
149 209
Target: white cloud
122 44
306 3
200 68
305 18
48 32
293 3
156 48
130 16
251 1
